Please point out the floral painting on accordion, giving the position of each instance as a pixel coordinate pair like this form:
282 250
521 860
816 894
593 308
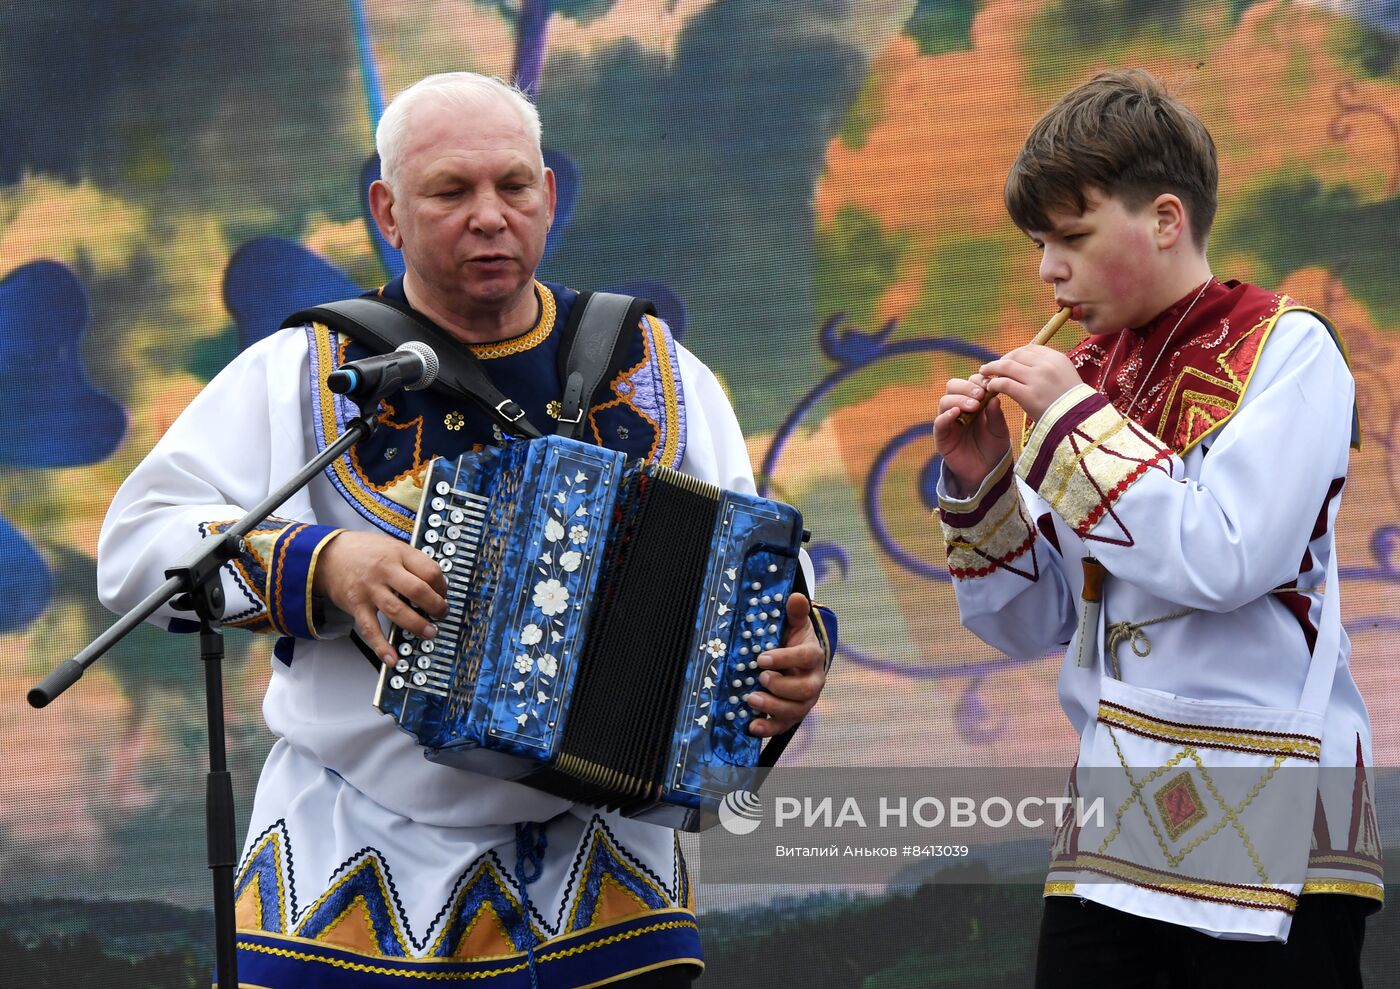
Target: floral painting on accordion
811 193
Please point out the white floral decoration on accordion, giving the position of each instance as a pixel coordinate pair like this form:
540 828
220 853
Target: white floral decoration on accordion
550 597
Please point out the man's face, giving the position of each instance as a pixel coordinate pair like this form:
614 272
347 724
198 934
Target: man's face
1102 262
470 209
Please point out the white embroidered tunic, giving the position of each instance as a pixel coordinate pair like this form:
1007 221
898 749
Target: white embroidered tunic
1232 541
350 820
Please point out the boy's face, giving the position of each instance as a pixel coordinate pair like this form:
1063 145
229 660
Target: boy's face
1102 262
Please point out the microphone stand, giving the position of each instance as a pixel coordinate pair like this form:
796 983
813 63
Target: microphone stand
193 583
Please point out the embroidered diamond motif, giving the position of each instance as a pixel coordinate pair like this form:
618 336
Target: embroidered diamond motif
1180 805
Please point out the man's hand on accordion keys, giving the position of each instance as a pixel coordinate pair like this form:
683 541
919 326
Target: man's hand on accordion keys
793 674
366 574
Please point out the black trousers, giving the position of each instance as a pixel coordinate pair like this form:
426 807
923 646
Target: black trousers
1085 944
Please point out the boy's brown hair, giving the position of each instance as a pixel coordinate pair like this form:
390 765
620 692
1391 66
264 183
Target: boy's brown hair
1120 133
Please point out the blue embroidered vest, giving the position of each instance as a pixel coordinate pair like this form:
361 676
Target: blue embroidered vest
641 412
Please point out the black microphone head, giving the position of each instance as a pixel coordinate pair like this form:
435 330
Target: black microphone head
430 363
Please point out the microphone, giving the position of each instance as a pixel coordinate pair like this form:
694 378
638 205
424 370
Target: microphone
412 367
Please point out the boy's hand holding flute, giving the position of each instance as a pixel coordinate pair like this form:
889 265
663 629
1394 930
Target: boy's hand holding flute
971 431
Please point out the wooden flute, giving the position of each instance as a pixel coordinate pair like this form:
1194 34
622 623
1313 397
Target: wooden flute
1046 334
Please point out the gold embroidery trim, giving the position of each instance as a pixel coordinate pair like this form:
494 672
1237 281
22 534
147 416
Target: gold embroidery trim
985 532
311 578
373 864
528 340
1372 891
489 871
1261 897
331 429
1305 749
427 974
592 854
1033 442
668 389
281 547
1267 325
273 840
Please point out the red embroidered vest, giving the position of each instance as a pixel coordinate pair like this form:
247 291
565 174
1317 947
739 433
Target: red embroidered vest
1201 375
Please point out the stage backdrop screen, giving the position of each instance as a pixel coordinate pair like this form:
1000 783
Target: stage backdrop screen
811 193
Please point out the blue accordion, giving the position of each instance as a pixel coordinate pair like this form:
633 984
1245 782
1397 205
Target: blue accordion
605 627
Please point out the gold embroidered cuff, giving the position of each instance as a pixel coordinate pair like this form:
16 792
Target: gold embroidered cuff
1083 454
989 530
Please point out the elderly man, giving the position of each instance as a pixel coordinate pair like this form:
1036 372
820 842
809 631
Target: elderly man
365 863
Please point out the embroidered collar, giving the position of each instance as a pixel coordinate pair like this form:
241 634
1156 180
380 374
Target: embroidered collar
531 338
1204 368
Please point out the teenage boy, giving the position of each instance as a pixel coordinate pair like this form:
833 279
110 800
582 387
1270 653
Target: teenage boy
1192 452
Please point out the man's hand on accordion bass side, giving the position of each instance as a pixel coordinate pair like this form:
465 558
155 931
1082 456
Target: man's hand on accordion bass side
793 674
366 574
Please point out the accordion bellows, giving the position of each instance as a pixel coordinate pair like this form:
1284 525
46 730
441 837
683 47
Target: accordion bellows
606 620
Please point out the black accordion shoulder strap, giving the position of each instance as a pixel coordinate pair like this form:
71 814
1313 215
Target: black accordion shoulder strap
592 350
384 326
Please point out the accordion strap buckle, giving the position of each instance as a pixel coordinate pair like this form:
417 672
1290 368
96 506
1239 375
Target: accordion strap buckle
510 411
